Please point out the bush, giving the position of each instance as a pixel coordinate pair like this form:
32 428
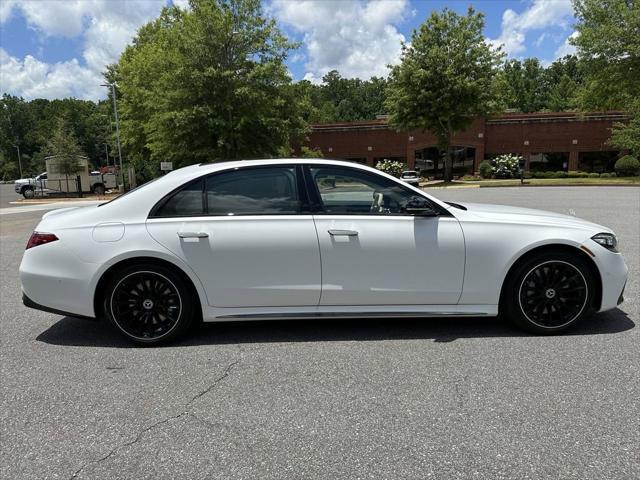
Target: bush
594 175
607 175
627 166
391 167
486 169
560 174
506 166
578 174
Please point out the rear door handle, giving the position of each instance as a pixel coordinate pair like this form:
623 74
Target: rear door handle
193 234
343 233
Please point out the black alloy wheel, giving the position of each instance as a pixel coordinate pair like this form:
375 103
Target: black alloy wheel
549 292
553 294
149 305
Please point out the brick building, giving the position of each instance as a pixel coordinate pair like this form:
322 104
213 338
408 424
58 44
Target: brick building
546 141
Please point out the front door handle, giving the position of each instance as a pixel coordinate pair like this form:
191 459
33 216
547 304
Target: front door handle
193 234
343 233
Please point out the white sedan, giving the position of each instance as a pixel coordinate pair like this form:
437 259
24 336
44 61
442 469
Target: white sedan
299 238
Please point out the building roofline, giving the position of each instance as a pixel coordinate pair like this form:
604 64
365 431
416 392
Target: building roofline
510 117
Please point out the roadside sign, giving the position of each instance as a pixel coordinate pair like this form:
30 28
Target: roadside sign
165 166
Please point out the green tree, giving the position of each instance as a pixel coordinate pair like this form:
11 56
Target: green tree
608 44
448 76
626 136
64 146
525 85
207 84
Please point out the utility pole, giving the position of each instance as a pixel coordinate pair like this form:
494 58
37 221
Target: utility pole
106 154
115 114
19 159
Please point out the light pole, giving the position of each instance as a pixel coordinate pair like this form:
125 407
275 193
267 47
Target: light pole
6 107
19 159
115 114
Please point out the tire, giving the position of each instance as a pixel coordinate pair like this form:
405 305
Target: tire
149 304
549 293
99 189
28 192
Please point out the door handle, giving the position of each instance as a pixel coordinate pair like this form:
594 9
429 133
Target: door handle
343 233
193 234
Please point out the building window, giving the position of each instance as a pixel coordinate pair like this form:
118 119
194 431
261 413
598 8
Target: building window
549 162
597 161
430 161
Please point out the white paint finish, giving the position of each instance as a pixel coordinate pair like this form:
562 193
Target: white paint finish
271 264
393 260
248 261
108 232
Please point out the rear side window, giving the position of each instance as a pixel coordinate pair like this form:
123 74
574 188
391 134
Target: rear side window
247 191
253 191
188 201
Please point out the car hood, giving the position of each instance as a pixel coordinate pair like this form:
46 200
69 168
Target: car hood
23 180
505 213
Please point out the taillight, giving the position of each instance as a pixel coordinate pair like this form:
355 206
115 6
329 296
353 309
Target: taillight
40 238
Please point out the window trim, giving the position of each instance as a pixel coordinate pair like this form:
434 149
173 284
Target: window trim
319 209
303 195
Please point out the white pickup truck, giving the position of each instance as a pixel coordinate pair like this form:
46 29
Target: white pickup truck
94 182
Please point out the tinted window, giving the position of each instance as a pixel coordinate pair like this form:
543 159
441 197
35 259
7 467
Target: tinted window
356 192
185 202
253 191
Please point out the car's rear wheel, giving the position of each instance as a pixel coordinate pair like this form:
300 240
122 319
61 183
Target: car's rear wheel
549 292
149 304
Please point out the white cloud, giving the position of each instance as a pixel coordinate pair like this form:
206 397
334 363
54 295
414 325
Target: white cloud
566 48
105 28
32 78
6 7
356 38
540 14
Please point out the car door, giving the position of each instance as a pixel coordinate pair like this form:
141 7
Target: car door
246 235
373 252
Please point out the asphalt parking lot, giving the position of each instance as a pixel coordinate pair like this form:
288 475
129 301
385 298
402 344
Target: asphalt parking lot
442 398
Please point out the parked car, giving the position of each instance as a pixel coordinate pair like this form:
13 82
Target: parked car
301 238
411 177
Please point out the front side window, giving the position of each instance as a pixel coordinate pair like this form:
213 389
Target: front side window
350 191
253 191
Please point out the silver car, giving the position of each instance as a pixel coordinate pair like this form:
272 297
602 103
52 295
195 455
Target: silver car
411 177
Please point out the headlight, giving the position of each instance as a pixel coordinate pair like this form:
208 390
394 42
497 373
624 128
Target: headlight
607 240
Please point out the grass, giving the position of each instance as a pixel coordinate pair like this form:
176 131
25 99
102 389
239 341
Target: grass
543 182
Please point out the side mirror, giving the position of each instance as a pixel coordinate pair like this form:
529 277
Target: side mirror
420 207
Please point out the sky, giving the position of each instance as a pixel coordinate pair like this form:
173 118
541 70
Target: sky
59 48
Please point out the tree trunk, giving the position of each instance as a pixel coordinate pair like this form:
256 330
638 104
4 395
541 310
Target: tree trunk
448 164
448 161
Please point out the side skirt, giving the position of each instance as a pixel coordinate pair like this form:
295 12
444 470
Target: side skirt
290 313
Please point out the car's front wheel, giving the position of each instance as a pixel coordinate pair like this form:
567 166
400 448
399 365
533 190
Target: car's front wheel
549 292
28 192
150 304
